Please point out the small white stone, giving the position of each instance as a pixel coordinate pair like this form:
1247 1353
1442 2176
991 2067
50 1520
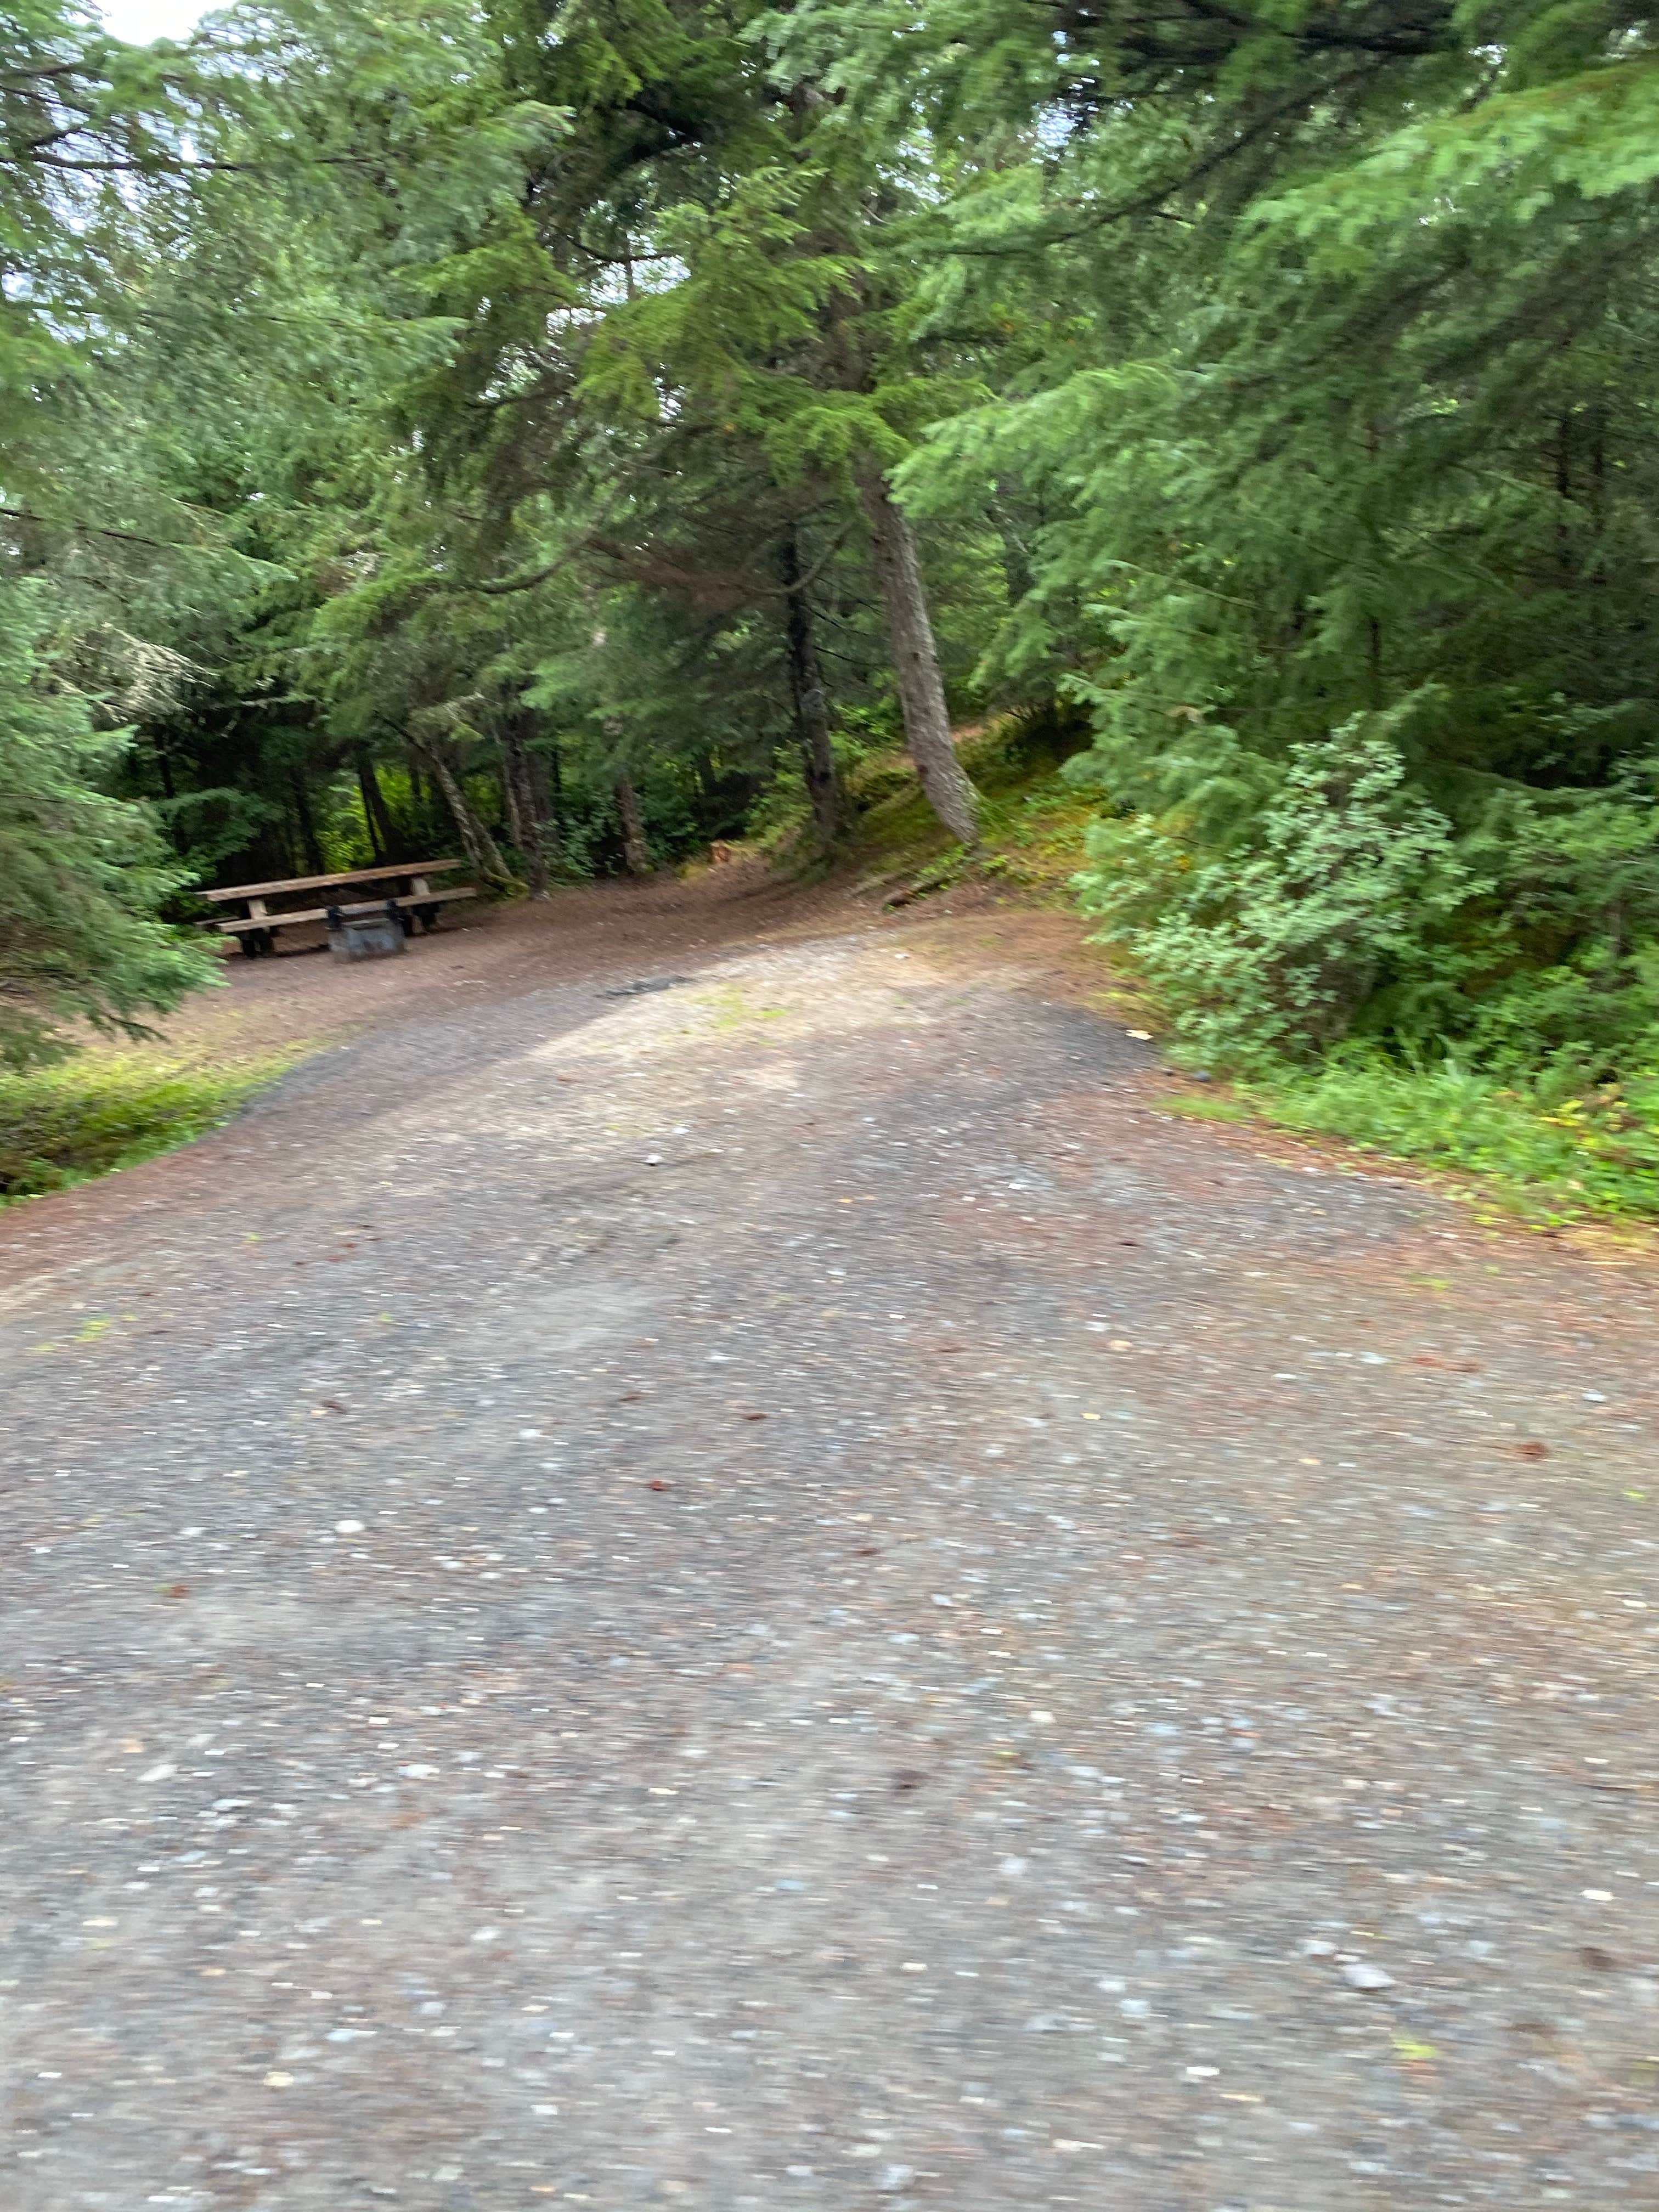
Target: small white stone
349 1527
1359 1975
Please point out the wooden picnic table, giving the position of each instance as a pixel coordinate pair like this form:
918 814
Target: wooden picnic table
257 928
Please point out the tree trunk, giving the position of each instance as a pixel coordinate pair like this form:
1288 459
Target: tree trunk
513 795
636 853
528 815
376 843
310 844
382 829
950 789
544 797
479 846
810 699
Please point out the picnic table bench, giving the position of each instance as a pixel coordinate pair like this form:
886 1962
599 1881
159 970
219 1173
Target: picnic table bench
257 929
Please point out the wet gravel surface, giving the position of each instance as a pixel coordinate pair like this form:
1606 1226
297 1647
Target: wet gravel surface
783 1592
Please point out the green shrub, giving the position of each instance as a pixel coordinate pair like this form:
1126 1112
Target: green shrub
1597 1152
1268 953
1518 928
84 1117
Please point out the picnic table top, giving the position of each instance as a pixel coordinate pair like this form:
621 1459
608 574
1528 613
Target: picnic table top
322 883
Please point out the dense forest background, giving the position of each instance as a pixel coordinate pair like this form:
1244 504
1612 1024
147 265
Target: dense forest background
589 430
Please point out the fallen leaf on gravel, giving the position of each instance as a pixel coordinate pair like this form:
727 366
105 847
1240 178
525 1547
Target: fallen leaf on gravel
1414 2052
1532 1450
658 1485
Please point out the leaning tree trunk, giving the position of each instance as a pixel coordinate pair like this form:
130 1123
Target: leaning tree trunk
480 847
513 795
636 853
810 699
949 787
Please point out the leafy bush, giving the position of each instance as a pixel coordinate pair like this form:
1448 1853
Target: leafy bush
1268 953
1525 935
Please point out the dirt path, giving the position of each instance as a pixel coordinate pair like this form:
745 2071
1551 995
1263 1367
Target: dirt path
1010 1650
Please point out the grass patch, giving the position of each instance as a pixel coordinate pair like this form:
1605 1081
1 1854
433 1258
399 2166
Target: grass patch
92 1114
1558 1162
1032 822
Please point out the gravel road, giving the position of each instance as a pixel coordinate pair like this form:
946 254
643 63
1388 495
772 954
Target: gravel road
1011 1649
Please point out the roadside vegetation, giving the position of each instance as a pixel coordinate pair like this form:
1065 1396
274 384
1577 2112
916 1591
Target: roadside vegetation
1549 1147
100 1111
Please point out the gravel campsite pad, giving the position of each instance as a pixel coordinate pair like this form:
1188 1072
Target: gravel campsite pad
784 1591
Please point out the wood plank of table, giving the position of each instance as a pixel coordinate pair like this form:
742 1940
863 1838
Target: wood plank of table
323 882
292 920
